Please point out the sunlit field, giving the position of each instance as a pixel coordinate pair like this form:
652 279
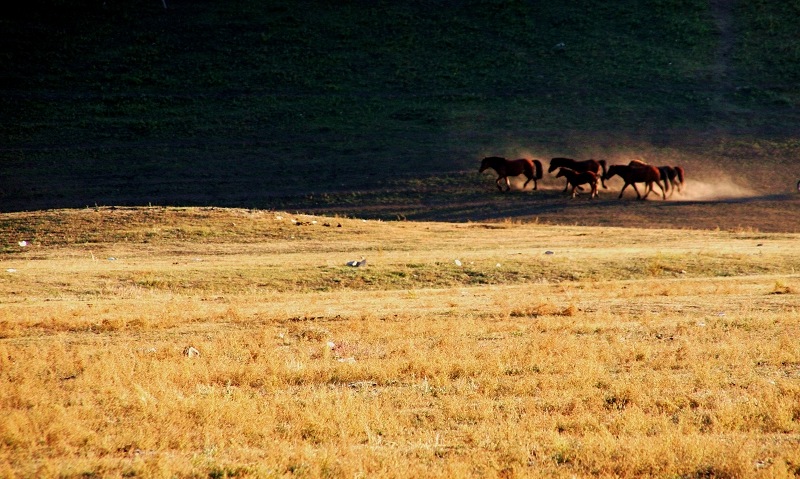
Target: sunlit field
470 333
160 342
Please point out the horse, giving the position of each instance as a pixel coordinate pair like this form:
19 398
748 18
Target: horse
587 165
576 179
532 169
671 176
637 172
680 178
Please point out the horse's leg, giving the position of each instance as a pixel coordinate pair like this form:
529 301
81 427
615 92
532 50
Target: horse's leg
526 184
638 196
497 182
598 174
603 175
663 191
508 184
623 189
648 187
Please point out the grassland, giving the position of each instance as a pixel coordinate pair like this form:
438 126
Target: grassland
550 351
220 333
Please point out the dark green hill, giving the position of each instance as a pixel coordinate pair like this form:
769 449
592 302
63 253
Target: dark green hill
347 106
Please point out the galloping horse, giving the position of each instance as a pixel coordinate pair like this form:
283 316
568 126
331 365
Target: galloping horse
532 169
666 172
587 165
671 176
637 172
576 179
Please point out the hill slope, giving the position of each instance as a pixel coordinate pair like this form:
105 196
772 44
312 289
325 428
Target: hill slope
272 106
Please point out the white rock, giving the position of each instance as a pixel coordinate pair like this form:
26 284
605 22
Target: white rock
191 352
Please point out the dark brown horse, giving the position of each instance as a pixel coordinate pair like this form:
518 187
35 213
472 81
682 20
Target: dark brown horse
532 169
672 178
576 179
595 166
637 172
680 178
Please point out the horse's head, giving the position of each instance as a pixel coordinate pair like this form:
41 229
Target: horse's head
562 172
612 170
493 162
552 167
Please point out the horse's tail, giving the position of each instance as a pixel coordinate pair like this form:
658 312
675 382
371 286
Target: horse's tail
679 171
539 173
605 173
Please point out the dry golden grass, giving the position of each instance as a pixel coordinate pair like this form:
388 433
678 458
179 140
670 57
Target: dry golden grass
624 353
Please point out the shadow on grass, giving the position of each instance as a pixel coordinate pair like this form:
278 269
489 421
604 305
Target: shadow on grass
449 197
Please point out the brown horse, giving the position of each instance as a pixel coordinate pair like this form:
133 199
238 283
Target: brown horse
637 172
671 176
587 165
532 169
576 179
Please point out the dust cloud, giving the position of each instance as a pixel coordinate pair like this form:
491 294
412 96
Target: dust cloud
698 190
710 184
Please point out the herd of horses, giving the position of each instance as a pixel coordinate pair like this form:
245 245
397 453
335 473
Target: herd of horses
590 173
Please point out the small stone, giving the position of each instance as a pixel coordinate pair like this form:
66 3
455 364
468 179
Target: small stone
191 352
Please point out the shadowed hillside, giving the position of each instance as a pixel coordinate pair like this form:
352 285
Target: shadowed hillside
384 108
